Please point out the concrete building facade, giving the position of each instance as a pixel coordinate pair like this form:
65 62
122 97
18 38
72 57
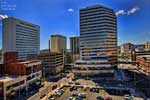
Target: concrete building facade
98 42
58 43
20 36
127 48
18 77
144 63
10 85
75 48
52 63
74 45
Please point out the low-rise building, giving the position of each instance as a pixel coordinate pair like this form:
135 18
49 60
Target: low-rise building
93 68
139 47
22 68
147 46
9 57
11 86
14 74
144 63
52 63
68 62
127 48
140 53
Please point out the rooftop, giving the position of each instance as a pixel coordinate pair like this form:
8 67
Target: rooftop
58 35
50 53
95 6
27 62
6 78
23 21
102 60
146 56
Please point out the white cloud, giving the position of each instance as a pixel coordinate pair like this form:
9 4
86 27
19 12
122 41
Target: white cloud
70 10
120 12
133 10
3 16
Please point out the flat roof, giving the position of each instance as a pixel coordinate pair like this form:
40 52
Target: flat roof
95 6
146 56
49 53
58 35
92 60
6 78
29 61
26 22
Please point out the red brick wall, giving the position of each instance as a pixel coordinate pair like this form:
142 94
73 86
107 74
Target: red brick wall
15 69
1 91
144 63
10 57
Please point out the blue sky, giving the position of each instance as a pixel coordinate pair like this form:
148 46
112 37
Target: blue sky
62 17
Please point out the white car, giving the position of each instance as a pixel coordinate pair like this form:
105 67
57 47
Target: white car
70 98
51 98
127 97
82 95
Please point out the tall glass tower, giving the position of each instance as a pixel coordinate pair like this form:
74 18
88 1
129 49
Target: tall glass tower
98 42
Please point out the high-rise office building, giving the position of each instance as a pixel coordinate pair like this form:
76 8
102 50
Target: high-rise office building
74 45
58 43
75 48
98 42
20 36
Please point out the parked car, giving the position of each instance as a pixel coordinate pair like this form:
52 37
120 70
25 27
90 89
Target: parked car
70 98
79 98
74 94
51 98
127 97
108 98
71 88
71 82
75 88
99 98
94 90
42 96
82 95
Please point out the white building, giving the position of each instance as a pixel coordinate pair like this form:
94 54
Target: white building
20 36
10 84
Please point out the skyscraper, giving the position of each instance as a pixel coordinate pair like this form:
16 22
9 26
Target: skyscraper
98 42
20 36
75 48
58 43
74 45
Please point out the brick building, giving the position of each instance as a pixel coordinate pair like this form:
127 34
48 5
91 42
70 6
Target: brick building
144 63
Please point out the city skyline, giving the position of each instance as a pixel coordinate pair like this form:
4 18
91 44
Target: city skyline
129 14
109 56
